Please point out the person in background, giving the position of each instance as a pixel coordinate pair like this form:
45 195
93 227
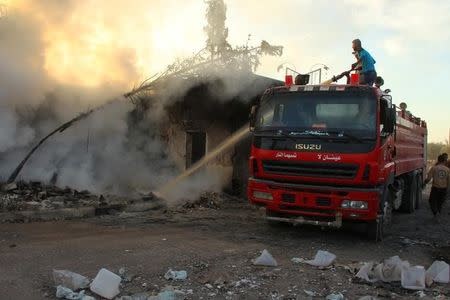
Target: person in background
447 162
379 81
440 175
365 63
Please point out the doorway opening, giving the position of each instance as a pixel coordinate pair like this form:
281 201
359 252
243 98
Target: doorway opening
195 147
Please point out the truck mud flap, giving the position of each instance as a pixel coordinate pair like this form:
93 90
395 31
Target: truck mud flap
302 221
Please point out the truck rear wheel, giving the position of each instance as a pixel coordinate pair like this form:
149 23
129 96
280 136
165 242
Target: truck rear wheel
409 200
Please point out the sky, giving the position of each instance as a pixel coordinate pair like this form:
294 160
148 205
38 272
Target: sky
409 39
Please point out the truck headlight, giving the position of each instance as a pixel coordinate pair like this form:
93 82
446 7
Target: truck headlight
262 195
354 204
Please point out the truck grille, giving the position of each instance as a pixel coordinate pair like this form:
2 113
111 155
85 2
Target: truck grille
307 209
323 201
289 198
310 169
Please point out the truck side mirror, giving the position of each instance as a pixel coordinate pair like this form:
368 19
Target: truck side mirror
252 117
391 120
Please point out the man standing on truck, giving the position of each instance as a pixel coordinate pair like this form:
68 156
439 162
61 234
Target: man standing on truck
365 63
440 175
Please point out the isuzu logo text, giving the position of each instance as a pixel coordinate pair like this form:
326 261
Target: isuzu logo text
308 146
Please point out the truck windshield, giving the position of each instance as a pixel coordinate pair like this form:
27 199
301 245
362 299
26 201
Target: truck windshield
319 113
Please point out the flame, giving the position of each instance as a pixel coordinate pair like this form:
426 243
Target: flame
93 42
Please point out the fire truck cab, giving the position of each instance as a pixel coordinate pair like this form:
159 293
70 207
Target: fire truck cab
328 154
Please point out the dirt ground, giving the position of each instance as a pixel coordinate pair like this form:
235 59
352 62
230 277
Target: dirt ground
216 247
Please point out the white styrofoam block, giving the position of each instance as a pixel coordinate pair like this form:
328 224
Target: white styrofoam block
106 284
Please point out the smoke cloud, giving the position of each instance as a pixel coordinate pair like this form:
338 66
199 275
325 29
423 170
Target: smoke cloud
60 58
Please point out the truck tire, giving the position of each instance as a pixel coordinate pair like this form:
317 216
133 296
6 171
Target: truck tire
379 228
409 199
419 191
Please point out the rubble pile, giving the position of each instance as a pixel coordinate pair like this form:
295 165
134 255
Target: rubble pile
27 201
207 199
35 195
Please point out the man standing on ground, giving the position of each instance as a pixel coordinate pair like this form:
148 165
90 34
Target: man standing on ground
447 162
440 175
365 63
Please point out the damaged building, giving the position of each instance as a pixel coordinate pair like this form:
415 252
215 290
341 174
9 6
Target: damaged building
204 117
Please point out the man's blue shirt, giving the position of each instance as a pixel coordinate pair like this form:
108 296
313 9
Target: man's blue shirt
368 63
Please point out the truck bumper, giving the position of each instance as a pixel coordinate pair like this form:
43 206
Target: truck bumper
299 220
313 204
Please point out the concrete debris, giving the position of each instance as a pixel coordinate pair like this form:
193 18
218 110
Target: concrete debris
352 268
322 259
338 296
208 199
88 298
106 284
169 295
125 274
35 201
175 275
246 282
265 259
366 272
439 272
409 242
48 196
9 202
66 293
70 279
7 187
421 294
391 269
413 278
140 296
367 298
297 260
388 271
310 293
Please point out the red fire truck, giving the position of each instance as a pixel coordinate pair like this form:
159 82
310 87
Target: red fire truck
328 154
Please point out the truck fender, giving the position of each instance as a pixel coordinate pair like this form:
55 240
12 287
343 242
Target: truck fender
390 179
389 172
